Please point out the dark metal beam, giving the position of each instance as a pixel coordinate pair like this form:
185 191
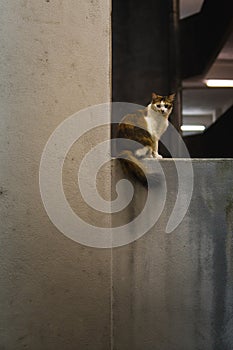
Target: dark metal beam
203 35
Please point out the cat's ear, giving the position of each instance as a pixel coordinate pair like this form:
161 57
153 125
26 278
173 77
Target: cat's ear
172 97
154 96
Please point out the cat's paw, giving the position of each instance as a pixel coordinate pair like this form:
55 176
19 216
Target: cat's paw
139 153
157 156
143 152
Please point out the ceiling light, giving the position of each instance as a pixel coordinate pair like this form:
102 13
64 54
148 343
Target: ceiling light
192 127
219 83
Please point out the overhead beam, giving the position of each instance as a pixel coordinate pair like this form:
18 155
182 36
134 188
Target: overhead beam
203 35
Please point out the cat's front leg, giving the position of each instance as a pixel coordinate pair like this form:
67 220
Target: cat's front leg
155 153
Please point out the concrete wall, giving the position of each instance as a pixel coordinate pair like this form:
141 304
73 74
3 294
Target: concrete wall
54 61
175 291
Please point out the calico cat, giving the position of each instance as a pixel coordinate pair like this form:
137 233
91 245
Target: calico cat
145 127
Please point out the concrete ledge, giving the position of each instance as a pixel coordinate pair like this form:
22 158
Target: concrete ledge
175 291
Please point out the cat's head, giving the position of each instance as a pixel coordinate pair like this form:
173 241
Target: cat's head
162 104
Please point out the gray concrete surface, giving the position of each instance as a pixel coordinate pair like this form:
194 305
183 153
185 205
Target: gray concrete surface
55 60
175 291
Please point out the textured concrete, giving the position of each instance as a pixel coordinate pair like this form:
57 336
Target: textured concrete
175 291
55 293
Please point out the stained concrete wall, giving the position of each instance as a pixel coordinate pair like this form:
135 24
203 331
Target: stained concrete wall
54 61
175 291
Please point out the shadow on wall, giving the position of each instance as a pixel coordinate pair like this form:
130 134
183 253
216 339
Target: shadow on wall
215 141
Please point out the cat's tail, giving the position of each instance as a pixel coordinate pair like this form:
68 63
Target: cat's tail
132 166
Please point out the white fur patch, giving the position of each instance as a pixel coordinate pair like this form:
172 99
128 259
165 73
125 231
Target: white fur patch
142 152
156 123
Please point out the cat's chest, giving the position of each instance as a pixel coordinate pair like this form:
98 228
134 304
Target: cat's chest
156 125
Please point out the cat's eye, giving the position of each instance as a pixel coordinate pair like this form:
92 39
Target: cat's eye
158 106
166 105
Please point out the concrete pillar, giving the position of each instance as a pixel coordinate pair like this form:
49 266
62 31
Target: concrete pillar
55 60
142 49
146 53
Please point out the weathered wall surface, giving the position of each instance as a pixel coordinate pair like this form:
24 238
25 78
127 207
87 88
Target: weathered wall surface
54 61
175 291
